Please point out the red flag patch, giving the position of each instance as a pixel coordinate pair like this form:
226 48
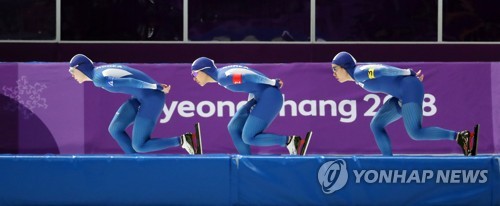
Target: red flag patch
237 78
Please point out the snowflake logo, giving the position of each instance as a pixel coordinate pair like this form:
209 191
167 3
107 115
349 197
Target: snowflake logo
26 94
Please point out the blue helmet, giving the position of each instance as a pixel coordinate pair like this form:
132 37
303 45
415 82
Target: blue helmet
84 64
346 61
205 64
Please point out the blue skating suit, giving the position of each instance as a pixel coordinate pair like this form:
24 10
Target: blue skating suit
247 125
407 96
143 109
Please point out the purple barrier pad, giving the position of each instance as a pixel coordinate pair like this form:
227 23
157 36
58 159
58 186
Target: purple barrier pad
77 116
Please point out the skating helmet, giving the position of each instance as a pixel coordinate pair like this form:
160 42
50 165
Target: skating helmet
206 65
346 61
82 63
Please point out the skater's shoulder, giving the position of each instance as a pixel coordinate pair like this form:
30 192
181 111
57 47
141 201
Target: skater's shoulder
233 67
113 70
111 66
367 66
238 69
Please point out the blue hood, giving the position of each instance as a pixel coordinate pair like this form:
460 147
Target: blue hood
346 61
205 64
84 64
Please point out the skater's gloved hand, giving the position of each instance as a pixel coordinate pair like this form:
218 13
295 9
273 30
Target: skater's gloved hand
278 84
165 88
412 73
419 75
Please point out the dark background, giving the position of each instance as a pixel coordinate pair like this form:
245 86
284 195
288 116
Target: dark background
260 31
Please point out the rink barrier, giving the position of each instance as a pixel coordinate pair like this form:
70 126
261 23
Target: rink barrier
248 180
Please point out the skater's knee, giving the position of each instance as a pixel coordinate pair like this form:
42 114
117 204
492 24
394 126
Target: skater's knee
373 126
248 135
232 128
139 147
111 129
376 127
234 131
415 134
247 139
114 131
139 144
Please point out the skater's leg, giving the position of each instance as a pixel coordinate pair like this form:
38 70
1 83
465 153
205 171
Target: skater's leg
235 128
122 119
388 113
413 96
144 124
253 133
268 105
142 141
412 116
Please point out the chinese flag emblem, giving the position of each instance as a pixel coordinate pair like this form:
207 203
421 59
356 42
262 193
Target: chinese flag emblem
237 78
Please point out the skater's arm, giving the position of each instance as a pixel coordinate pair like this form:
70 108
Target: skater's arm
131 83
376 71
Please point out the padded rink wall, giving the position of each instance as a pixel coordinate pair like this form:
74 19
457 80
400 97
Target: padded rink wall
248 180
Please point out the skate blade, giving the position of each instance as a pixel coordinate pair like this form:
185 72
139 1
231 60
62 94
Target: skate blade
305 143
476 136
199 146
